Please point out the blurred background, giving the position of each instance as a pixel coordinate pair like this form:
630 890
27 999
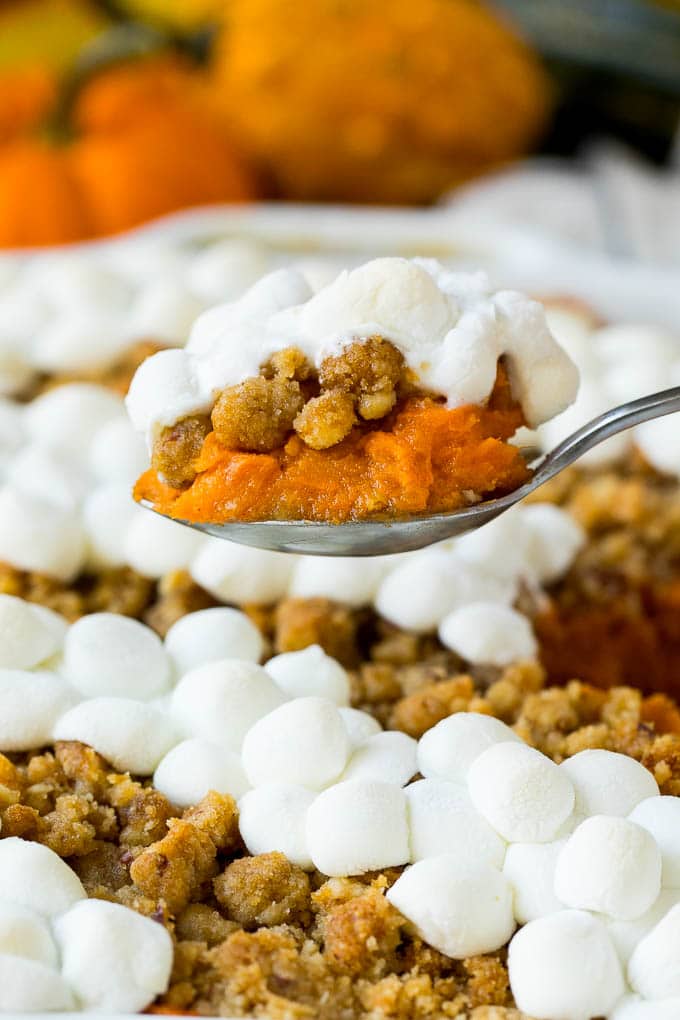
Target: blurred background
563 116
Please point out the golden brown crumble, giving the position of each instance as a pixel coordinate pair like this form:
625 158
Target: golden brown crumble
258 414
370 370
325 420
177 448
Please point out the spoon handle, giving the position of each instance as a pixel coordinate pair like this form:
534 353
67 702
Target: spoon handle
618 419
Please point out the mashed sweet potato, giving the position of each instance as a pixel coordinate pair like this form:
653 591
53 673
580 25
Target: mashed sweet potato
423 457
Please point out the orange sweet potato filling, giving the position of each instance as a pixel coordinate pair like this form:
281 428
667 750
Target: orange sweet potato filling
423 457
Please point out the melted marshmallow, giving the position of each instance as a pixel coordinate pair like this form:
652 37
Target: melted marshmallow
450 327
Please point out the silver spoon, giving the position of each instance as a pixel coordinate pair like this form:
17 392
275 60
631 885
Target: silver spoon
374 538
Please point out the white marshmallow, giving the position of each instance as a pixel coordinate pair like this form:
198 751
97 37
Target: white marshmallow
341 578
70 283
40 536
610 865
164 310
68 416
109 654
48 475
129 734
357 827
30 704
658 441
303 742
26 637
460 909
117 453
31 987
241 574
55 623
11 429
622 342
274 817
33 876
359 725
530 870
78 341
164 390
310 672
194 767
608 783
486 633
389 757
23 932
564 967
442 820
633 1008
222 700
115 959
212 634
155 546
654 967
626 934
660 816
500 548
426 587
556 538
108 513
447 750
593 400
520 792
223 270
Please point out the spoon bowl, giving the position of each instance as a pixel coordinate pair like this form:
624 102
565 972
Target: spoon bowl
403 534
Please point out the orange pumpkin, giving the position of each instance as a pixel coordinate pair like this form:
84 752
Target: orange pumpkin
143 142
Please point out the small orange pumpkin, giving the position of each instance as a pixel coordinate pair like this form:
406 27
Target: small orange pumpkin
144 142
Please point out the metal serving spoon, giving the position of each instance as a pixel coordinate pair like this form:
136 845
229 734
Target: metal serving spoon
377 537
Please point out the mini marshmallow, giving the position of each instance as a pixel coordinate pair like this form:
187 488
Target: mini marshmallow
310 672
460 909
610 865
593 400
447 750
556 538
117 453
658 441
77 342
608 783
40 536
633 1008
194 767
129 734
164 389
303 742
222 700
422 590
30 704
359 725
48 475
389 757
241 574
626 934
274 817
654 967
660 816
108 513
341 578
115 959
500 547
164 310
32 987
155 546
72 282
564 967
212 634
224 270
520 792
23 932
442 820
11 428
486 633
67 416
26 637
357 827
530 870
109 654
33 876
